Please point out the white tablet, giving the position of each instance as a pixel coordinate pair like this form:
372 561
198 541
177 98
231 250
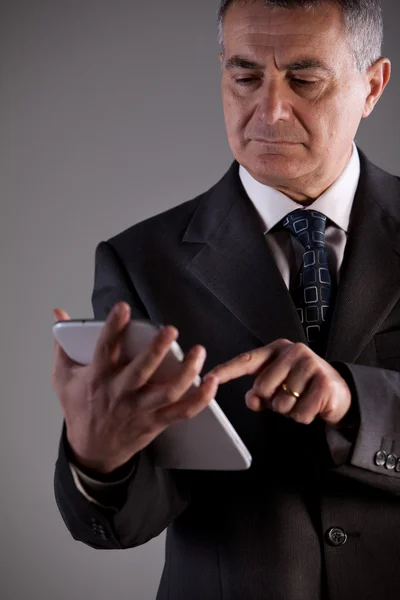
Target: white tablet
208 441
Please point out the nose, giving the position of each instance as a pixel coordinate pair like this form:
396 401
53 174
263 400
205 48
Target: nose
273 105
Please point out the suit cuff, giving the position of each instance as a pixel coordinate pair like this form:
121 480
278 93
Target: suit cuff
377 447
105 490
104 494
342 437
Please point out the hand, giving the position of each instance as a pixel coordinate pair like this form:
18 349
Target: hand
323 392
112 409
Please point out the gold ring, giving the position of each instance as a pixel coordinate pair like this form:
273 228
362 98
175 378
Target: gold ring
290 392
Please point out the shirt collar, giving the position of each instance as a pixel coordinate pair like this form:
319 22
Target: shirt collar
335 203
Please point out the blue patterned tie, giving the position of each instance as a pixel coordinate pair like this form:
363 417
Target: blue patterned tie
314 293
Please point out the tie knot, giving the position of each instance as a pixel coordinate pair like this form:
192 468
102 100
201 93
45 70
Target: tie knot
307 226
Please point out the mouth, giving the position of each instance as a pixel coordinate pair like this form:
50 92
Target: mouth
274 142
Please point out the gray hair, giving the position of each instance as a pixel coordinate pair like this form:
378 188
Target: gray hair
362 18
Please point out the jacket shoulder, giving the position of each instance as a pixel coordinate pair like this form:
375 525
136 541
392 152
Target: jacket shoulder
157 227
168 227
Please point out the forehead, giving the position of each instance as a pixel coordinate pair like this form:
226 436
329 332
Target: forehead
257 29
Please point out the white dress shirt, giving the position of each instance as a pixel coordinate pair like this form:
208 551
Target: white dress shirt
335 203
272 206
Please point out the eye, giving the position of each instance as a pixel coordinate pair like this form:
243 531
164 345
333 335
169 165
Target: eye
246 81
304 82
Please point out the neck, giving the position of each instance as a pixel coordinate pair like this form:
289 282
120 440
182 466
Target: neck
306 194
299 197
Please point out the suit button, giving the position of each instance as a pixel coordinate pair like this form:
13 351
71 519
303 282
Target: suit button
380 458
397 468
99 529
391 462
336 536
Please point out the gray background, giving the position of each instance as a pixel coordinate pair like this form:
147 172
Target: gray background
110 113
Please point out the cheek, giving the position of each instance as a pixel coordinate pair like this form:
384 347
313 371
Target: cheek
236 114
344 112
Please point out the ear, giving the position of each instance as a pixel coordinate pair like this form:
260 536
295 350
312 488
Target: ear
221 57
378 76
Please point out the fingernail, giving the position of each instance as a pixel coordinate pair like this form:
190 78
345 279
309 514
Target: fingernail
197 353
169 330
209 378
118 309
202 354
253 403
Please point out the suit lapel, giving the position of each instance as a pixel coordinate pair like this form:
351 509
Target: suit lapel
370 284
235 263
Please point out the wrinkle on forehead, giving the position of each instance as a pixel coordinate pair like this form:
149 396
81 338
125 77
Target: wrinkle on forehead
322 15
257 35
286 18
287 50
264 34
255 23
273 40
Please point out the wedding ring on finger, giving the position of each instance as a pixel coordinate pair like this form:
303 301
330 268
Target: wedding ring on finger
289 392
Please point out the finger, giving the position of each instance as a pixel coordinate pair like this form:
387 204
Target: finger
191 368
254 402
283 403
110 336
139 371
60 315
280 404
301 373
324 399
61 361
192 405
161 395
248 363
294 384
309 405
266 385
61 368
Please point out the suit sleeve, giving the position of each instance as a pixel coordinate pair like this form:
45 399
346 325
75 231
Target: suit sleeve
153 497
371 454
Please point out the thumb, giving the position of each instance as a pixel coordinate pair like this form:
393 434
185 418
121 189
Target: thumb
61 359
60 315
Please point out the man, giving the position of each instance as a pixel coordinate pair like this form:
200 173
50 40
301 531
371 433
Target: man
287 273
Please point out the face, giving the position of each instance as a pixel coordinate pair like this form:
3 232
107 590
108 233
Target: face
293 98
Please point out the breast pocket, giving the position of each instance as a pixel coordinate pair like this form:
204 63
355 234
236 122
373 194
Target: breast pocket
388 349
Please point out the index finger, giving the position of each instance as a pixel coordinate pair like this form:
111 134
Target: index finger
248 363
110 334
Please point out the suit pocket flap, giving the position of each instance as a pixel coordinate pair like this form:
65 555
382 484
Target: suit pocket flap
388 344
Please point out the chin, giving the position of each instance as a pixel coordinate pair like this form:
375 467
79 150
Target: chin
272 169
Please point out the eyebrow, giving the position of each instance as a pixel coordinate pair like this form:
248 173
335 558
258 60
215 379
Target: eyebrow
237 62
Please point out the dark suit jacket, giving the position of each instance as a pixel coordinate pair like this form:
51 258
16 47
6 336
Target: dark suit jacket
205 267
